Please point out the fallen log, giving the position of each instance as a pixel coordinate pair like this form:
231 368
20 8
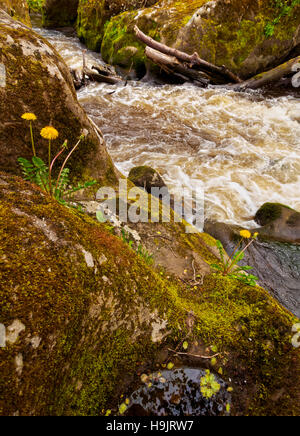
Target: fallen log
97 77
194 61
271 76
193 68
77 78
101 73
172 66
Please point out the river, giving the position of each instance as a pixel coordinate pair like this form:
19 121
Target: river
243 149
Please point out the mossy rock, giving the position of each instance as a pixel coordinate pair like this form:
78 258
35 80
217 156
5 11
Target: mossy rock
93 14
269 212
59 13
17 9
37 80
231 33
279 222
83 311
146 177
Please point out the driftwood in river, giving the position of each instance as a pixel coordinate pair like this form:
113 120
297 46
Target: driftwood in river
97 73
172 66
192 67
95 76
274 75
191 62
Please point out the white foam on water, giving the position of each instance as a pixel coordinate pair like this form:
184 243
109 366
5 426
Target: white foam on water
244 148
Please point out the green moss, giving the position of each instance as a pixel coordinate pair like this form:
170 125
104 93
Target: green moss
119 34
269 212
17 9
94 332
231 36
92 15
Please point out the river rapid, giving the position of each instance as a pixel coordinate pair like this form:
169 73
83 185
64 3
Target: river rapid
243 149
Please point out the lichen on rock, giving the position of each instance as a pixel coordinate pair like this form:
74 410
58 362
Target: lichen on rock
230 33
17 9
93 14
88 311
37 80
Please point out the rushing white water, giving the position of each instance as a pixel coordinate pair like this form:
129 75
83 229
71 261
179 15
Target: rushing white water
243 148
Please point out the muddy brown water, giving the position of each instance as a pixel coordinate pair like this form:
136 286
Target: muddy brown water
243 149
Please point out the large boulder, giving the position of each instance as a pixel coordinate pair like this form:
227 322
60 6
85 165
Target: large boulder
279 222
59 13
147 178
35 79
84 317
246 35
93 15
17 9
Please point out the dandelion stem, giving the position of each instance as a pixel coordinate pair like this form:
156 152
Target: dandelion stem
243 251
50 169
32 140
49 152
64 164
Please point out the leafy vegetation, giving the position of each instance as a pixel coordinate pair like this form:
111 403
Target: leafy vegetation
35 5
209 385
229 266
40 174
141 251
284 8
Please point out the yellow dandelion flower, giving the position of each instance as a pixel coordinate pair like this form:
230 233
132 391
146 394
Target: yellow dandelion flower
29 117
49 133
245 234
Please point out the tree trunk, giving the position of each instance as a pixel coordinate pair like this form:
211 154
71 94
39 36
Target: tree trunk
171 66
271 76
192 67
194 61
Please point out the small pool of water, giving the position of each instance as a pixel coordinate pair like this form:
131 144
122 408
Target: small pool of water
180 392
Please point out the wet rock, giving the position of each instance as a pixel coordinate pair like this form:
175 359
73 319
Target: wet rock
276 263
59 13
84 310
17 9
224 32
93 15
279 222
35 79
147 178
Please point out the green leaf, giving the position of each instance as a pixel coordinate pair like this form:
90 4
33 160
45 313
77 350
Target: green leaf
39 163
217 267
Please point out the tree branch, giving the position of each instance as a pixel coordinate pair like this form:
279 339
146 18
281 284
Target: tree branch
194 61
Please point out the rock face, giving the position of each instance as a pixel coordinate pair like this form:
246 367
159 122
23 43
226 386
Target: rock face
93 15
59 13
17 9
35 79
239 34
146 177
279 222
83 311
